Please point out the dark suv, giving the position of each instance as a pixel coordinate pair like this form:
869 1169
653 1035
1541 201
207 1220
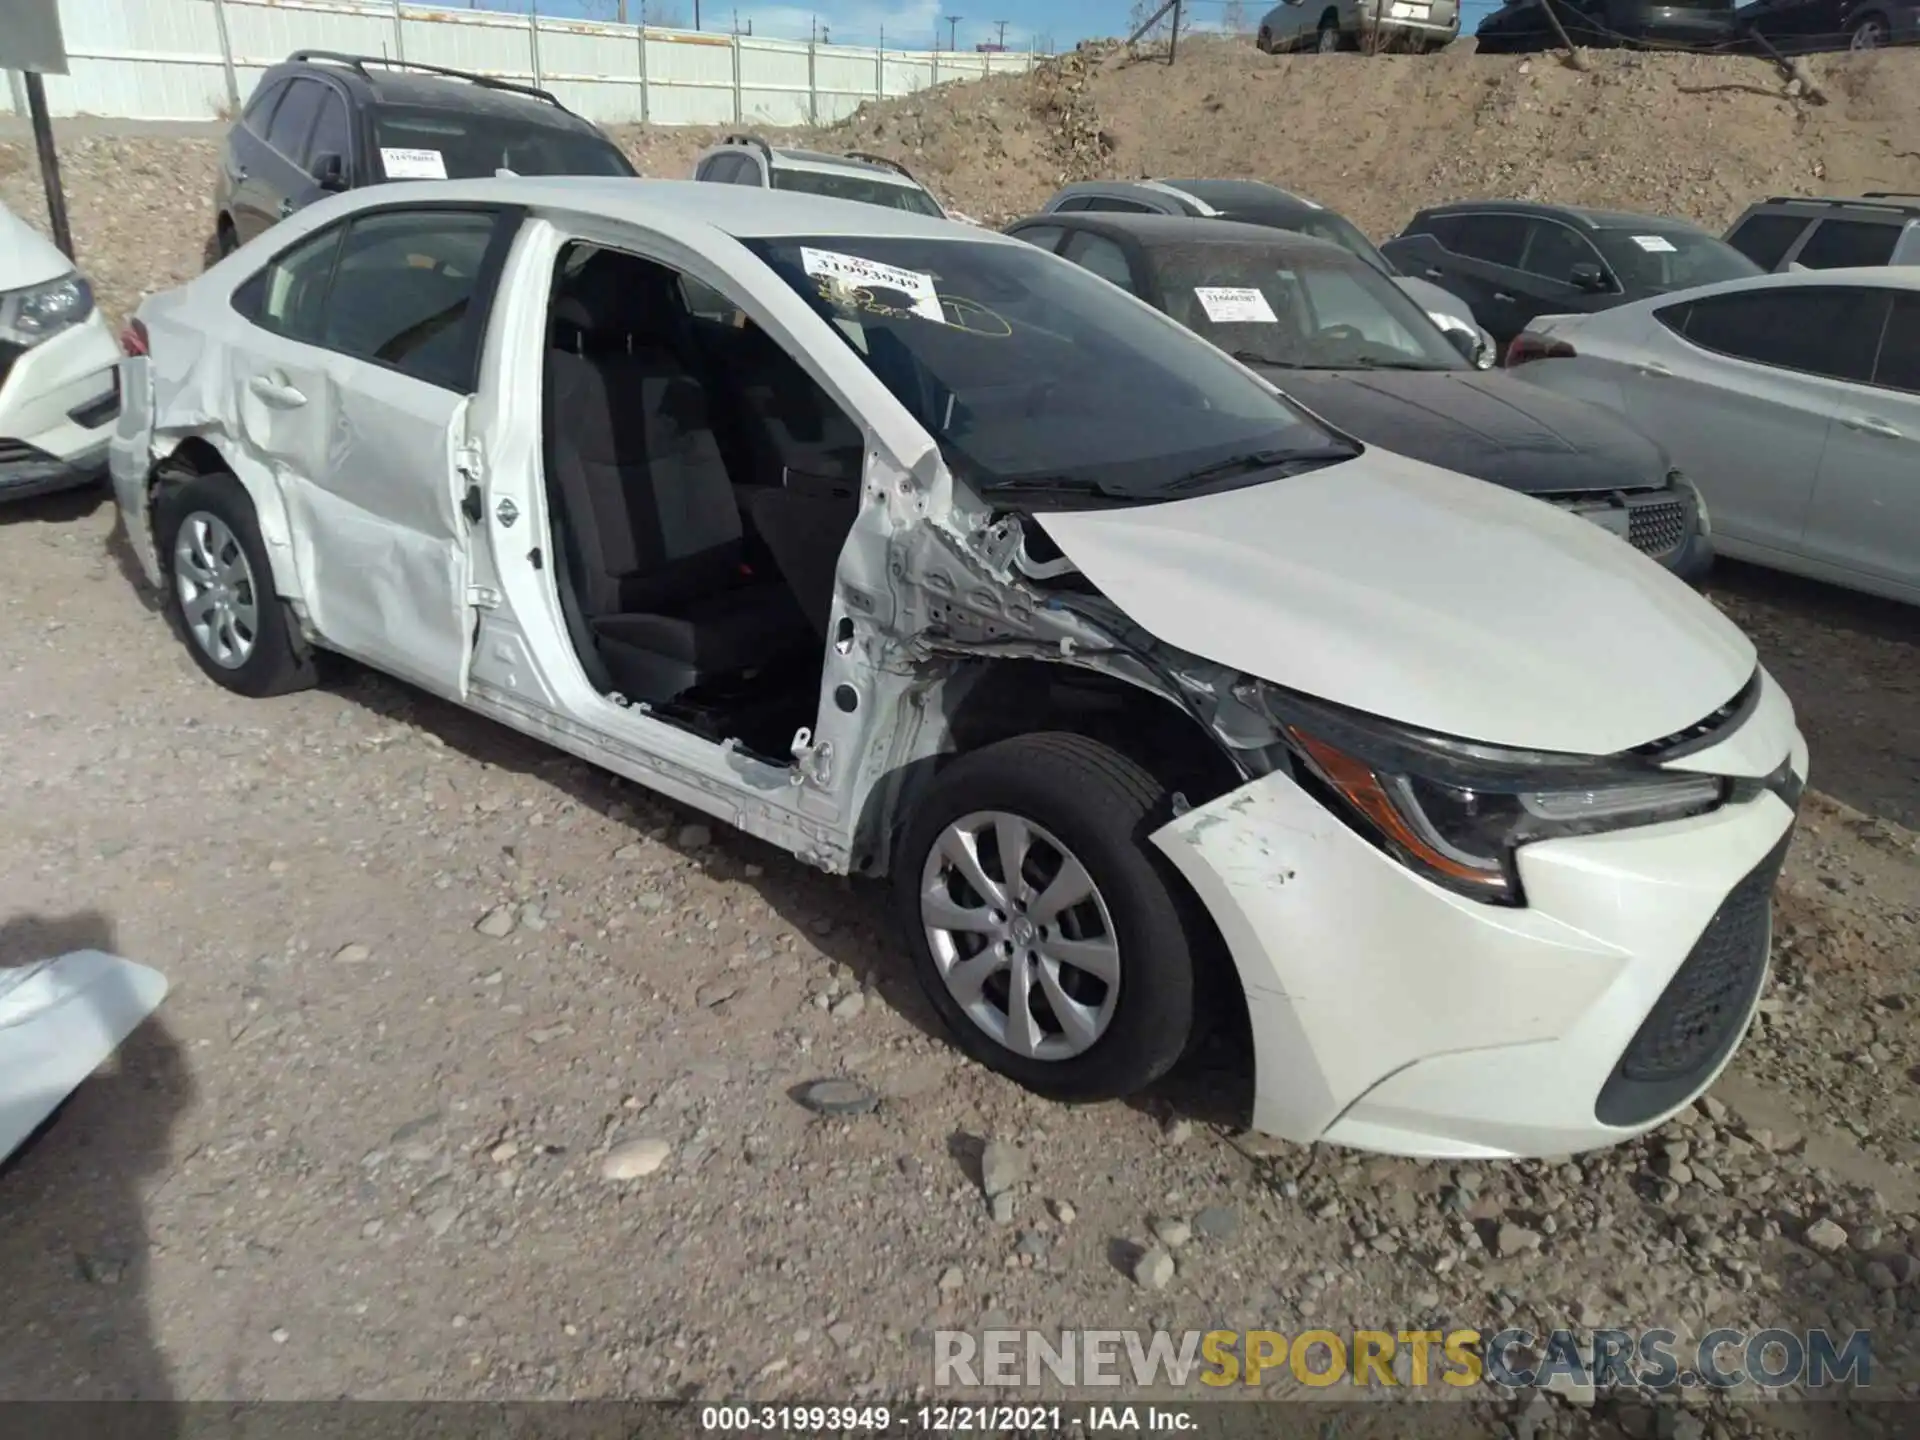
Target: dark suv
322 122
1514 260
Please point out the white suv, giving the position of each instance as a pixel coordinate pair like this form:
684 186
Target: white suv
857 175
928 555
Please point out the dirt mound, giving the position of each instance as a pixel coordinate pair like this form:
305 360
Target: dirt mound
1378 137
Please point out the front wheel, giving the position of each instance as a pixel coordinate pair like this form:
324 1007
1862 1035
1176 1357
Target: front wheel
1328 40
1868 34
1047 932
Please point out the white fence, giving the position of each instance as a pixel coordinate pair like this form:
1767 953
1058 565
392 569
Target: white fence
199 59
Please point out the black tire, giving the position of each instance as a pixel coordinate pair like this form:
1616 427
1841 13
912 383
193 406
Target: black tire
278 662
1101 806
1869 32
1328 40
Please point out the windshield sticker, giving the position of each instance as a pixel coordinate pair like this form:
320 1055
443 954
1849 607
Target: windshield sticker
1229 305
413 164
1654 244
851 279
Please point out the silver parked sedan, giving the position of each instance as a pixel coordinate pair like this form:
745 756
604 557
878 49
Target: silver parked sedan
1792 401
1371 25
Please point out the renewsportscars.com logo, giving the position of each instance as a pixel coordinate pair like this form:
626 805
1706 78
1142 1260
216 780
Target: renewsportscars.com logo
1628 1359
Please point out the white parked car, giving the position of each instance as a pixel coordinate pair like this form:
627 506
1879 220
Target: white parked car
58 372
928 555
1792 401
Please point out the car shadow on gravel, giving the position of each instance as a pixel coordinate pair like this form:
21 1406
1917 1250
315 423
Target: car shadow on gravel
844 919
62 507
76 1322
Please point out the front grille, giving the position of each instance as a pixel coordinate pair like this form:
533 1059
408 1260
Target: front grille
1656 528
1698 1017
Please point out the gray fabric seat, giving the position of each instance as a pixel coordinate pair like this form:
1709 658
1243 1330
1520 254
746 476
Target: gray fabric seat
653 528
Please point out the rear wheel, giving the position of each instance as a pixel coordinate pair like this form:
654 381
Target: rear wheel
1868 33
219 590
1328 40
1050 936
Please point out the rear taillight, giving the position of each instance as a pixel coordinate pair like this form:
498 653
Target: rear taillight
1527 346
133 339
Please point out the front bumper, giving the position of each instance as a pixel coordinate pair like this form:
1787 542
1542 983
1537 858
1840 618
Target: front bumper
58 404
1416 20
1391 1015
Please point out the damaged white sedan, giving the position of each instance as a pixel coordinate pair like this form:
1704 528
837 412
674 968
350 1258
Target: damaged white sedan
924 554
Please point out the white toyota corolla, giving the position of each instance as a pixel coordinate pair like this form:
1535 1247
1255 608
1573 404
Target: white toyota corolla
927 555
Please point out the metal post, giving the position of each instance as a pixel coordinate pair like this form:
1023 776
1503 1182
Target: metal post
399 38
813 91
533 39
1173 36
645 101
739 109
880 67
49 162
226 56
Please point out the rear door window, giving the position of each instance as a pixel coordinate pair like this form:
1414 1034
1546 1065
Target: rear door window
289 296
293 122
1102 257
1899 367
1494 239
1836 244
1765 239
1828 330
260 108
1047 237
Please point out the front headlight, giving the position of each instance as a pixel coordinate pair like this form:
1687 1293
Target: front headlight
29 316
1456 811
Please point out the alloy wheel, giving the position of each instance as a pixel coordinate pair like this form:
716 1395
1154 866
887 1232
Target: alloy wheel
218 597
1021 935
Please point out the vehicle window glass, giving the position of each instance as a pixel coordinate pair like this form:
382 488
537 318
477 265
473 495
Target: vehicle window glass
1102 257
1272 305
1047 237
1553 250
726 169
706 303
404 289
293 289
472 146
331 135
1654 258
840 185
1495 239
1331 227
1444 228
1820 330
1674 317
746 171
1078 203
1899 367
1765 239
986 346
1107 202
260 108
293 121
1836 244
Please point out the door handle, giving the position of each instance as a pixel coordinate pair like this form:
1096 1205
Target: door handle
286 207
1873 425
472 506
276 392
1655 369
1503 297
1433 274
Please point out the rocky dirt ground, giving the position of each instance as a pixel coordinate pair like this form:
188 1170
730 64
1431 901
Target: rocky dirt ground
432 983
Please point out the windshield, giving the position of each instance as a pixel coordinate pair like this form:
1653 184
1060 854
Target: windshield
838 185
1657 257
1032 374
418 143
1273 305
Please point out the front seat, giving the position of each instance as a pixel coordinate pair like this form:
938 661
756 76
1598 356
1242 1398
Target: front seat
656 554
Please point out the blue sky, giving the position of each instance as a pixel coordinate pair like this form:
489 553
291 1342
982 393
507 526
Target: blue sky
911 24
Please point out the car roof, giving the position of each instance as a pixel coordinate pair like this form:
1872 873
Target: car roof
1241 194
1155 230
1895 206
1582 215
800 158
377 86
743 212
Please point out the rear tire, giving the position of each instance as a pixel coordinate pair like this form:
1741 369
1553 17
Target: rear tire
1328 40
1106 982
1868 33
219 590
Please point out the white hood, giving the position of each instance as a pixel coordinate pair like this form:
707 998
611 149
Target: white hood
26 256
1419 595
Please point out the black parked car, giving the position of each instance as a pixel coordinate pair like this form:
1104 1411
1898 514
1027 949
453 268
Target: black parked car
1513 260
1800 27
1522 25
321 122
1345 341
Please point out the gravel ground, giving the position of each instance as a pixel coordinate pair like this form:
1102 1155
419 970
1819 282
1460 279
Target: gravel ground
432 982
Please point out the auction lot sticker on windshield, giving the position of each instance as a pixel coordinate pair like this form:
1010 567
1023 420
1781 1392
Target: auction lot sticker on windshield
1230 305
914 286
413 164
1656 244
